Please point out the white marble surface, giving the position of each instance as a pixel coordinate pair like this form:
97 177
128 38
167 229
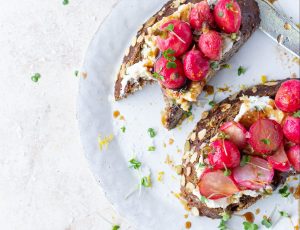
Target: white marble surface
45 182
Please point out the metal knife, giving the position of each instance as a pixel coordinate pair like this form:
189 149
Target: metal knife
279 28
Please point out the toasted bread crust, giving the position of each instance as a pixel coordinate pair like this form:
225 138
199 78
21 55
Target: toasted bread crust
223 112
173 112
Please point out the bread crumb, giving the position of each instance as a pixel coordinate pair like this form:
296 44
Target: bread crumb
171 141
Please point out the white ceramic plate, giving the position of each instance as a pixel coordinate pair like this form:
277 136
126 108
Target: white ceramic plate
157 207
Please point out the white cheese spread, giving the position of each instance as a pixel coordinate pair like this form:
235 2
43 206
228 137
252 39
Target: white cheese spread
134 73
227 44
256 103
224 202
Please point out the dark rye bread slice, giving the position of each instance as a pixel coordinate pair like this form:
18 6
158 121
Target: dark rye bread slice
174 113
207 128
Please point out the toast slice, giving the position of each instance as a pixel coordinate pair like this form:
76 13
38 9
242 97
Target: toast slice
137 67
204 133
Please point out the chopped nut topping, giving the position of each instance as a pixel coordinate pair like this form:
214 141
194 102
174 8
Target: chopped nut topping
182 181
190 187
178 169
194 158
225 107
188 171
193 136
201 134
254 89
204 115
195 211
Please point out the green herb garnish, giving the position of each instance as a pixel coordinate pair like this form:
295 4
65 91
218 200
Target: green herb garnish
115 227
245 160
151 148
76 73
168 54
151 132
227 172
158 76
229 6
220 13
284 191
123 129
203 199
222 225
266 222
233 36
171 65
146 181
226 66
65 2
250 226
266 141
170 27
297 114
134 163
284 214
36 77
215 65
225 218
212 103
201 165
241 70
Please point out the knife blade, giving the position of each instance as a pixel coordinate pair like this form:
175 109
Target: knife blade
278 27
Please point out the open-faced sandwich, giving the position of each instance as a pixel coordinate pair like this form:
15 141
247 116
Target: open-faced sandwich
182 47
243 149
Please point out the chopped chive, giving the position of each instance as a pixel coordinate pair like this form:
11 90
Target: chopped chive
36 77
241 70
151 148
212 103
266 141
170 27
115 227
227 172
158 76
151 132
250 226
134 163
171 65
297 114
123 129
266 222
245 160
284 191
146 181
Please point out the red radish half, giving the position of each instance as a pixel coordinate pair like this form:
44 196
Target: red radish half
224 154
201 14
294 157
265 136
288 96
210 44
237 133
214 185
171 78
291 129
256 174
196 66
228 15
176 35
279 160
